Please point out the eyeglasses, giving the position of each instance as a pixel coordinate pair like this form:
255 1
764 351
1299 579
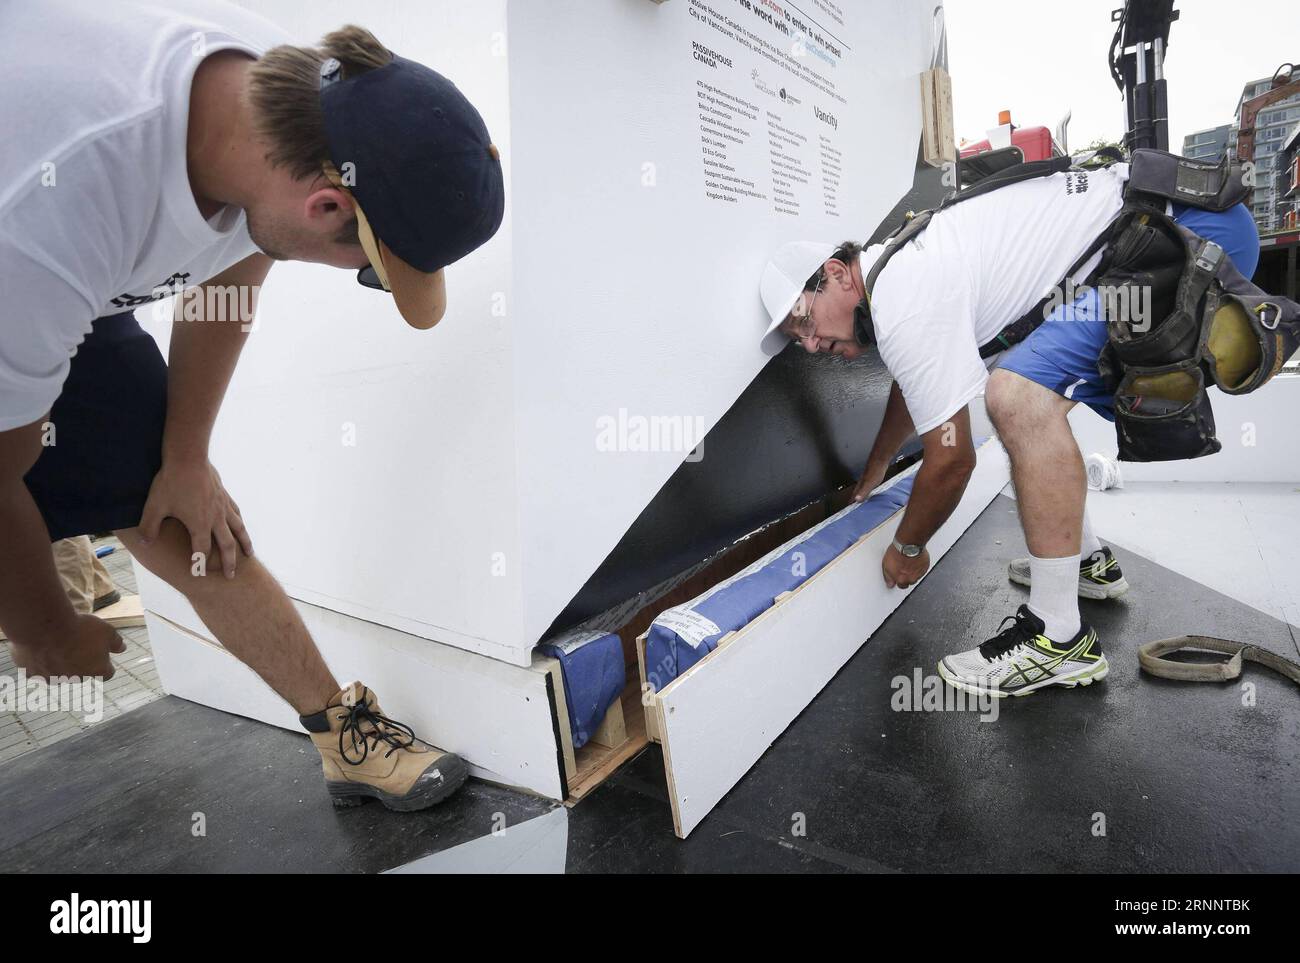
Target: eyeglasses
802 326
367 276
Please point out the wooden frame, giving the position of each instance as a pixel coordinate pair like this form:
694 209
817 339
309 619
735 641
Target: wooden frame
527 742
718 717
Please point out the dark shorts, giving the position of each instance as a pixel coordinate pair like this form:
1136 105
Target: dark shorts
1061 354
108 429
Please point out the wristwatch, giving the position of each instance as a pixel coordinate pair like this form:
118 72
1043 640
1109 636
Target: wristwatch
909 551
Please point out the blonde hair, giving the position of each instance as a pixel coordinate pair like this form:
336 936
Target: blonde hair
284 92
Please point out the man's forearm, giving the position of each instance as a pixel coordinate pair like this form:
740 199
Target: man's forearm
205 348
936 492
895 430
199 367
32 602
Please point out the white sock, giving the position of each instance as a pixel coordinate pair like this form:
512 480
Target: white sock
1054 595
1090 543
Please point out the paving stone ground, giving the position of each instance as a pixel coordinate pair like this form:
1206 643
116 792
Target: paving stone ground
135 684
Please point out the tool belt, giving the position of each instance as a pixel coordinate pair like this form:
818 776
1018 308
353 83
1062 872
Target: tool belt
1179 316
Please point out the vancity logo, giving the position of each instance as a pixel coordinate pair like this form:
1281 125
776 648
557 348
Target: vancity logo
112 916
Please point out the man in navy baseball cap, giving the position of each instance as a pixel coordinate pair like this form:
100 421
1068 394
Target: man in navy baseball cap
254 150
424 174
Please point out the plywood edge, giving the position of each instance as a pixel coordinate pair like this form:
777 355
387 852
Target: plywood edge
648 695
562 720
673 795
735 698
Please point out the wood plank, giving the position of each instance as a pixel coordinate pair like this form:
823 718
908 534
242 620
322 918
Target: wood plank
722 714
647 692
556 672
126 613
939 145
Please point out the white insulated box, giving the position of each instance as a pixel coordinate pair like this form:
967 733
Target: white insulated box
459 485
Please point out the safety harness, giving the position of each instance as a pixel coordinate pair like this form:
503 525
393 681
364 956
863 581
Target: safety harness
1179 316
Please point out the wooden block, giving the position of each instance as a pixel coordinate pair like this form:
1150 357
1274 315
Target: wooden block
126 613
939 145
611 733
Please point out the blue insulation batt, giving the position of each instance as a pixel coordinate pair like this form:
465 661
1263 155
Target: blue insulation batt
591 664
684 635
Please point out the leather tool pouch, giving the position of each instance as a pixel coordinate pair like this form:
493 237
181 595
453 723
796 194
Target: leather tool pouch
1180 318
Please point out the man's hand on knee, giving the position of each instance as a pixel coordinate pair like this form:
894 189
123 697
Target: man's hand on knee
192 493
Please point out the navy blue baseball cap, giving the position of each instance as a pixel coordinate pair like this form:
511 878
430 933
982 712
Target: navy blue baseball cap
424 175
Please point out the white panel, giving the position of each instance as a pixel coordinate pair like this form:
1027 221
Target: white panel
721 715
476 443
633 289
496 716
401 527
538 845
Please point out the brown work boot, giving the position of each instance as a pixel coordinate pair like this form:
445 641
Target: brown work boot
367 755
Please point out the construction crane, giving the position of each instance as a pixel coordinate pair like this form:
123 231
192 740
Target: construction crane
1286 83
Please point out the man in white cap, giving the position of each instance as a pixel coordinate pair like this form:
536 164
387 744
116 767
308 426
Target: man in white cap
936 312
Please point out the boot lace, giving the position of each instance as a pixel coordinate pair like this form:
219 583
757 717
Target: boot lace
364 726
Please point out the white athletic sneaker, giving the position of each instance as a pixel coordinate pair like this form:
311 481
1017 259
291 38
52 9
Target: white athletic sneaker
1021 659
1099 575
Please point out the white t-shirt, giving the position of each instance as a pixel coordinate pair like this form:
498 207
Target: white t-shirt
978 266
96 210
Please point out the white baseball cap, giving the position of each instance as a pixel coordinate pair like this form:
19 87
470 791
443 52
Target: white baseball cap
783 279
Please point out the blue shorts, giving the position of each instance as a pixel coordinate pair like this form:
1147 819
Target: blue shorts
109 418
1062 352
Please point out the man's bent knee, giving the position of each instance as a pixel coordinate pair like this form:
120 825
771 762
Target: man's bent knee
1016 403
171 558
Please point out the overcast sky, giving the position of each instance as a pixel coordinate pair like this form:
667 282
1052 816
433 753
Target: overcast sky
1039 58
